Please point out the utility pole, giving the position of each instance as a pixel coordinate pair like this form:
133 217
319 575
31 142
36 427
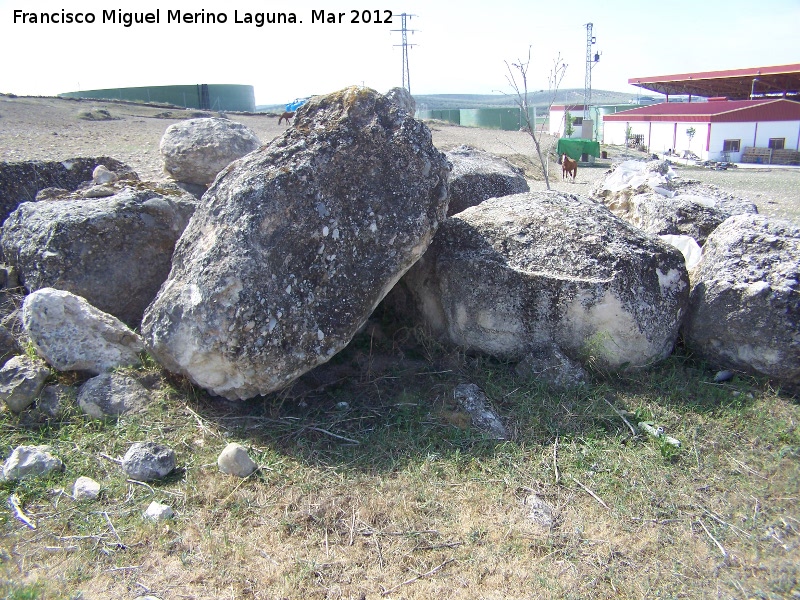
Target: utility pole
591 60
404 32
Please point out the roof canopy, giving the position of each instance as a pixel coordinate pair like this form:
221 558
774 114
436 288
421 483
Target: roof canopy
730 111
737 84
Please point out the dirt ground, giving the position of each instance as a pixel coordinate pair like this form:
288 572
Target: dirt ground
33 128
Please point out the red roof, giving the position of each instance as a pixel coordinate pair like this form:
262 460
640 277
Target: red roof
724 111
735 83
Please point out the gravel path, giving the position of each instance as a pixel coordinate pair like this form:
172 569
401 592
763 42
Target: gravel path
52 129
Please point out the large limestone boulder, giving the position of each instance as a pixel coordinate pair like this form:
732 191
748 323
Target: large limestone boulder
403 98
478 175
72 335
21 181
519 273
650 195
296 243
195 150
744 309
115 252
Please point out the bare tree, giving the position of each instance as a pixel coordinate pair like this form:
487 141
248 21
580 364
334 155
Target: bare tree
518 79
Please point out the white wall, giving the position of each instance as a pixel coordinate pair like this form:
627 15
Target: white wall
730 131
660 136
777 129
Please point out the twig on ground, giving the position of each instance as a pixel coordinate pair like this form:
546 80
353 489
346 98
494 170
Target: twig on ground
14 504
621 416
590 492
418 577
117 461
113 529
555 460
333 435
713 539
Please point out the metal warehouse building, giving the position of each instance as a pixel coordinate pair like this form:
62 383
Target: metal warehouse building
205 96
752 115
723 129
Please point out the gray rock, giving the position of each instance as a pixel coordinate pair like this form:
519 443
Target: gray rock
21 181
530 270
8 345
478 175
148 461
744 310
234 460
111 395
474 401
403 98
115 252
295 244
550 365
72 335
102 175
21 380
85 488
52 401
158 512
30 461
651 196
195 150
541 512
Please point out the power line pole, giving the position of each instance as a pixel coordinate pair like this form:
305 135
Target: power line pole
404 33
591 59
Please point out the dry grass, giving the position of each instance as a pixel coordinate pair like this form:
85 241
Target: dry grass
423 506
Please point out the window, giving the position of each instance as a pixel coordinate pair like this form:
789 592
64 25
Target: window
731 145
577 120
777 143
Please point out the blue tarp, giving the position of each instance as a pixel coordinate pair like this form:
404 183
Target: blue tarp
295 104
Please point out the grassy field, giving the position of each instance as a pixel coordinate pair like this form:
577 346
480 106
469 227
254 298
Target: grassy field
373 484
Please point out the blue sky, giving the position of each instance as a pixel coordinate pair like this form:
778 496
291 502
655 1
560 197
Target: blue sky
458 47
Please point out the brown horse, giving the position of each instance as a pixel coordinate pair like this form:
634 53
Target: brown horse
287 116
569 167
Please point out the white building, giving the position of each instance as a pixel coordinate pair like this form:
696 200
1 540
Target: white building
722 128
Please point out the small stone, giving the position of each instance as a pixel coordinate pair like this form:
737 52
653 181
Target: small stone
146 461
234 460
102 175
723 376
475 402
158 512
111 395
85 488
541 512
30 461
21 380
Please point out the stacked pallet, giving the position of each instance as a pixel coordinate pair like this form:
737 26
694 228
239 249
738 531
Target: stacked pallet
757 155
785 157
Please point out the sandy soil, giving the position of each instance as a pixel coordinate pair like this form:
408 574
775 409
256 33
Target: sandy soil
52 129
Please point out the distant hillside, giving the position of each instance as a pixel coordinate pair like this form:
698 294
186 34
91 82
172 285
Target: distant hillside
538 99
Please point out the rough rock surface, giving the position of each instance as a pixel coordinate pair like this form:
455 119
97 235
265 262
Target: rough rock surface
745 299
111 395
474 401
649 195
295 244
8 345
403 98
521 272
195 150
478 175
72 335
21 380
21 181
114 251
553 367
30 461
147 461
